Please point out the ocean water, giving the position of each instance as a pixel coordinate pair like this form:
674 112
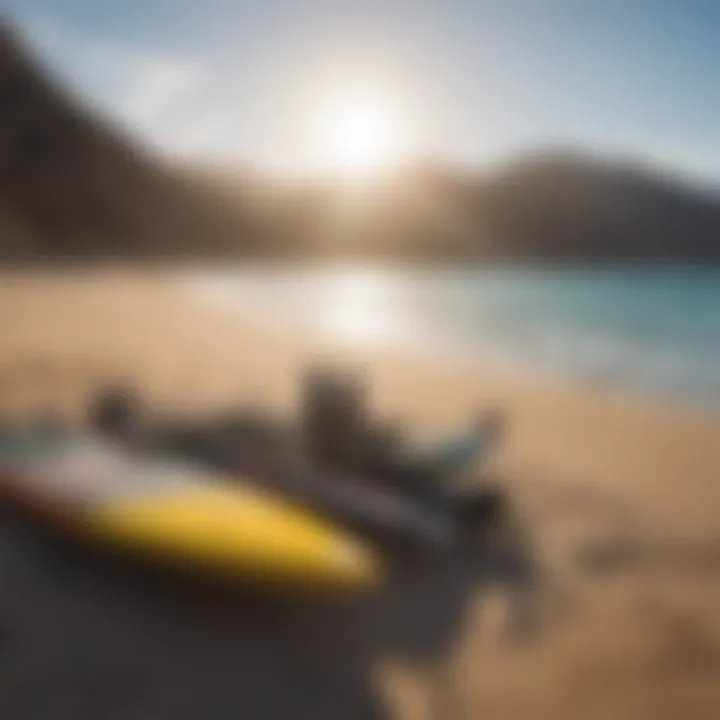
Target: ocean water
646 329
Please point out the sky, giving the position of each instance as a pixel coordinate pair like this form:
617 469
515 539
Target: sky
470 81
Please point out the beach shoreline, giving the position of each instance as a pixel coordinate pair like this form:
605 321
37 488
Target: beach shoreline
583 466
187 352
636 331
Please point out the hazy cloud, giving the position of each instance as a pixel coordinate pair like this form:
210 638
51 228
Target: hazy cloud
145 86
154 85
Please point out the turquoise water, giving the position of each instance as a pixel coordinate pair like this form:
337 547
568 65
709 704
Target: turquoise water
655 330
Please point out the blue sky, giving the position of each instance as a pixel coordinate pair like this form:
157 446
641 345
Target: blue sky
476 79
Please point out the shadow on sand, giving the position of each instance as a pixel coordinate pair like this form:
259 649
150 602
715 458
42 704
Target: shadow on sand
83 636
86 636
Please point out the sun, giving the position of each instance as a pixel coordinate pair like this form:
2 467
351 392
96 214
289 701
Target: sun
359 135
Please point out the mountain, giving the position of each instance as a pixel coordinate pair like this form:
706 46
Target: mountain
544 206
559 205
73 186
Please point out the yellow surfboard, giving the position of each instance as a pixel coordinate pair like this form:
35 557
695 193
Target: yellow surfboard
180 514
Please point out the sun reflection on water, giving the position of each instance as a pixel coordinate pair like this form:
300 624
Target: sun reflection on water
356 308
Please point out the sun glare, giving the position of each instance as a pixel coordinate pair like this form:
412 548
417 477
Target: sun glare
359 135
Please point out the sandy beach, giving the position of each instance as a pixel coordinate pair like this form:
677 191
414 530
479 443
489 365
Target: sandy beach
615 498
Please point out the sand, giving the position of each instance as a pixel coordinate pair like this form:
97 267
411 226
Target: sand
611 569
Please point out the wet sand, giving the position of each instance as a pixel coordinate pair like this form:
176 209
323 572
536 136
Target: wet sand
600 601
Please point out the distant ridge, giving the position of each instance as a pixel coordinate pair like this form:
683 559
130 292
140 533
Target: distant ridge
74 187
568 206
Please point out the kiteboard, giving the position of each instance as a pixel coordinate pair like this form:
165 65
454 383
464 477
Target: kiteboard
179 513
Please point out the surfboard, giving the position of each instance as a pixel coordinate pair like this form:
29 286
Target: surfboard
180 513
